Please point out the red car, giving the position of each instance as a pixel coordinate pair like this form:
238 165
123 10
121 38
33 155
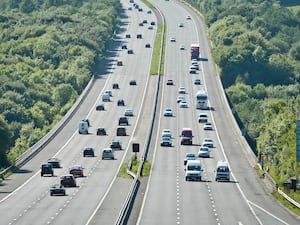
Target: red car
76 171
170 82
68 180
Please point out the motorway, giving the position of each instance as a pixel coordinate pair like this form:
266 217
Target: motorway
169 199
25 197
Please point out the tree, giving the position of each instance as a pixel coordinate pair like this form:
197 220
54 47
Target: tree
5 141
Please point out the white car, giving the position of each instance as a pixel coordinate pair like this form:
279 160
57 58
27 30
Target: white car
168 112
180 98
192 71
128 112
166 133
202 118
181 47
188 17
166 141
189 156
183 104
208 142
180 25
208 126
182 90
172 39
108 92
204 152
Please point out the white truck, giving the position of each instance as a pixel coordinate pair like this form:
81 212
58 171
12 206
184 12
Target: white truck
83 127
222 171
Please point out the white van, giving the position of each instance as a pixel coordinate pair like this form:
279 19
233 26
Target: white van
222 171
83 127
193 170
106 97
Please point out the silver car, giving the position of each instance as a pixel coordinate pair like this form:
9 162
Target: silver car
168 112
203 152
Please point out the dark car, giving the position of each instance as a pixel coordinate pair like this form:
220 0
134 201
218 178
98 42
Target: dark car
129 51
127 36
152 23
116 144
76 171
57 190
54 162
101 131
121 131
124 46
121 102
100 107
47 169
68 180
132 82
139 36
147 45
123 120
115 86
88 151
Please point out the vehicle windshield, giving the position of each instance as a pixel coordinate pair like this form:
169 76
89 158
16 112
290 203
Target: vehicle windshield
194 167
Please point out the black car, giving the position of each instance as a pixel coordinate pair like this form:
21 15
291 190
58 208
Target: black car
123 120
68 180
88 151
54 162
115 86
132 82
101 131
100 107
57 190
124 46
129 51
116 144
139 36
47 169
147 45
121 102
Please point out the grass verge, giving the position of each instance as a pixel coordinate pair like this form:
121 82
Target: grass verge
135 166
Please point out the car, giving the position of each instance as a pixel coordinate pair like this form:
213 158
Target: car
180 98
100 107
208 142
203 152
124 46
128 112
127 36
195 66
47 169
182 90
119 63
207 126
186 136
130 8
197 81
166 141
88 151
139 36
55 162
222 171
132 82
166 133
192 71
183 104
152 23
116 144
168 112
193 170
115 86
140 10
123 120
144 21
76 171
108 92
172 39
189 156
170 82
181 47
180 25
130 51
149 12
68 180
147 45
108 153
202 118
120 102
188 17
101 131
57 189
150 27
121 131
141 24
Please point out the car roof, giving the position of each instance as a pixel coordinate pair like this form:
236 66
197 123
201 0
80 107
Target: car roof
76 167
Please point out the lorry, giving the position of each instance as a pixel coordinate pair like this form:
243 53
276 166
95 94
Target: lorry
193 170
195 51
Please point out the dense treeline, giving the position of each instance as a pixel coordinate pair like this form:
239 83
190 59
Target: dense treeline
256 44
49 50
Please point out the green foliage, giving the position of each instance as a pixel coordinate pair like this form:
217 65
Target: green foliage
48 53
